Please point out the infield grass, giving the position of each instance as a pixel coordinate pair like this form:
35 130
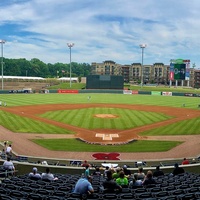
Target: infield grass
78 146
125 118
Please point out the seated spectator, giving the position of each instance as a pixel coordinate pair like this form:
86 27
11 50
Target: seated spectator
140 174
135 182
115 175
84 186
85 163
158 172
185 162
177 170
34 175
97 171
127 172
105 171
9 150
8 165
122 180
149 179
110 185
48 176
3 154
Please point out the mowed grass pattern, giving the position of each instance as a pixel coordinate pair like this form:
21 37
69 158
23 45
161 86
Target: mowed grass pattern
19 124
78 146
86 118
35 99
185 127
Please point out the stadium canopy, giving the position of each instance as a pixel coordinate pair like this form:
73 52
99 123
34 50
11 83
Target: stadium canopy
68 79
22 77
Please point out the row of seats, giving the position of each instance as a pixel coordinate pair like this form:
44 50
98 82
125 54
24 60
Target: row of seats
177 187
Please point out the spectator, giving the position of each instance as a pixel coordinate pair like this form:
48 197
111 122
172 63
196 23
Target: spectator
34 175
84 186
87 171
110 185
115 175
127 172
85 164
178 170
122 180
185 162
105 171
140 174
97 171
149 179
48 176
9 150
8 165
135 181
158 172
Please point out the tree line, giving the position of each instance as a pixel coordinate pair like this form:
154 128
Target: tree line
37 68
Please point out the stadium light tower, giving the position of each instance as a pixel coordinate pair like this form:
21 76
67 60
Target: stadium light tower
70 45
2 43
142 46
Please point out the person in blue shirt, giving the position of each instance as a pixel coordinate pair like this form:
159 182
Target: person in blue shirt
84 186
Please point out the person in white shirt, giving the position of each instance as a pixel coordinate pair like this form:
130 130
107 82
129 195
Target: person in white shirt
9 150
48 176
8 165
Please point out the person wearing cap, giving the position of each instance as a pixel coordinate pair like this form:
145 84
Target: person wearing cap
127 172
34 175
84 186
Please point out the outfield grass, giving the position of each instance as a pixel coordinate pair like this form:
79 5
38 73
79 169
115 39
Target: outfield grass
34 99
85 118
78 146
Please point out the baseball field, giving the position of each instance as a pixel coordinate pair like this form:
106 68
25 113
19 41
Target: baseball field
79 125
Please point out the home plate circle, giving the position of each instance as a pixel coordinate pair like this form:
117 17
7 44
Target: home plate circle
106 136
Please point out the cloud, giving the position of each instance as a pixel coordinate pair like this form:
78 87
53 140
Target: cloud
101 30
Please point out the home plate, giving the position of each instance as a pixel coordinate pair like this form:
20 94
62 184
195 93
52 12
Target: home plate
107 136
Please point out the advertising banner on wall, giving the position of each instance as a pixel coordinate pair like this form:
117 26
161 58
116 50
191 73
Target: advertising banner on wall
167 93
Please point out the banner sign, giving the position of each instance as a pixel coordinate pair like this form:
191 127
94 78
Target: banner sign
134 92
68 91
127 91
155 93
167 93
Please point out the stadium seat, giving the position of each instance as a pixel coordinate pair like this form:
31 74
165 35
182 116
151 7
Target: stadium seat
34 196
5 197
16 194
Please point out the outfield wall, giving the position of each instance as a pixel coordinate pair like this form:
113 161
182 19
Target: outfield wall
111 91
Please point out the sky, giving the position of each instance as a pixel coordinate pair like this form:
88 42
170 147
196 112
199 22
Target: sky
101 30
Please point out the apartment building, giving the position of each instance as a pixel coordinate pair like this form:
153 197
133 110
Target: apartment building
157 73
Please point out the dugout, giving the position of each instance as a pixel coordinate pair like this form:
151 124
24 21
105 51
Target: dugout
104 82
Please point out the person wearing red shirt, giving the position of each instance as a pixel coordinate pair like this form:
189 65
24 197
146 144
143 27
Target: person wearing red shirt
185 162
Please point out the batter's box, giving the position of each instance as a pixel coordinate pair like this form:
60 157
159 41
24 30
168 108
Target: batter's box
107 136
